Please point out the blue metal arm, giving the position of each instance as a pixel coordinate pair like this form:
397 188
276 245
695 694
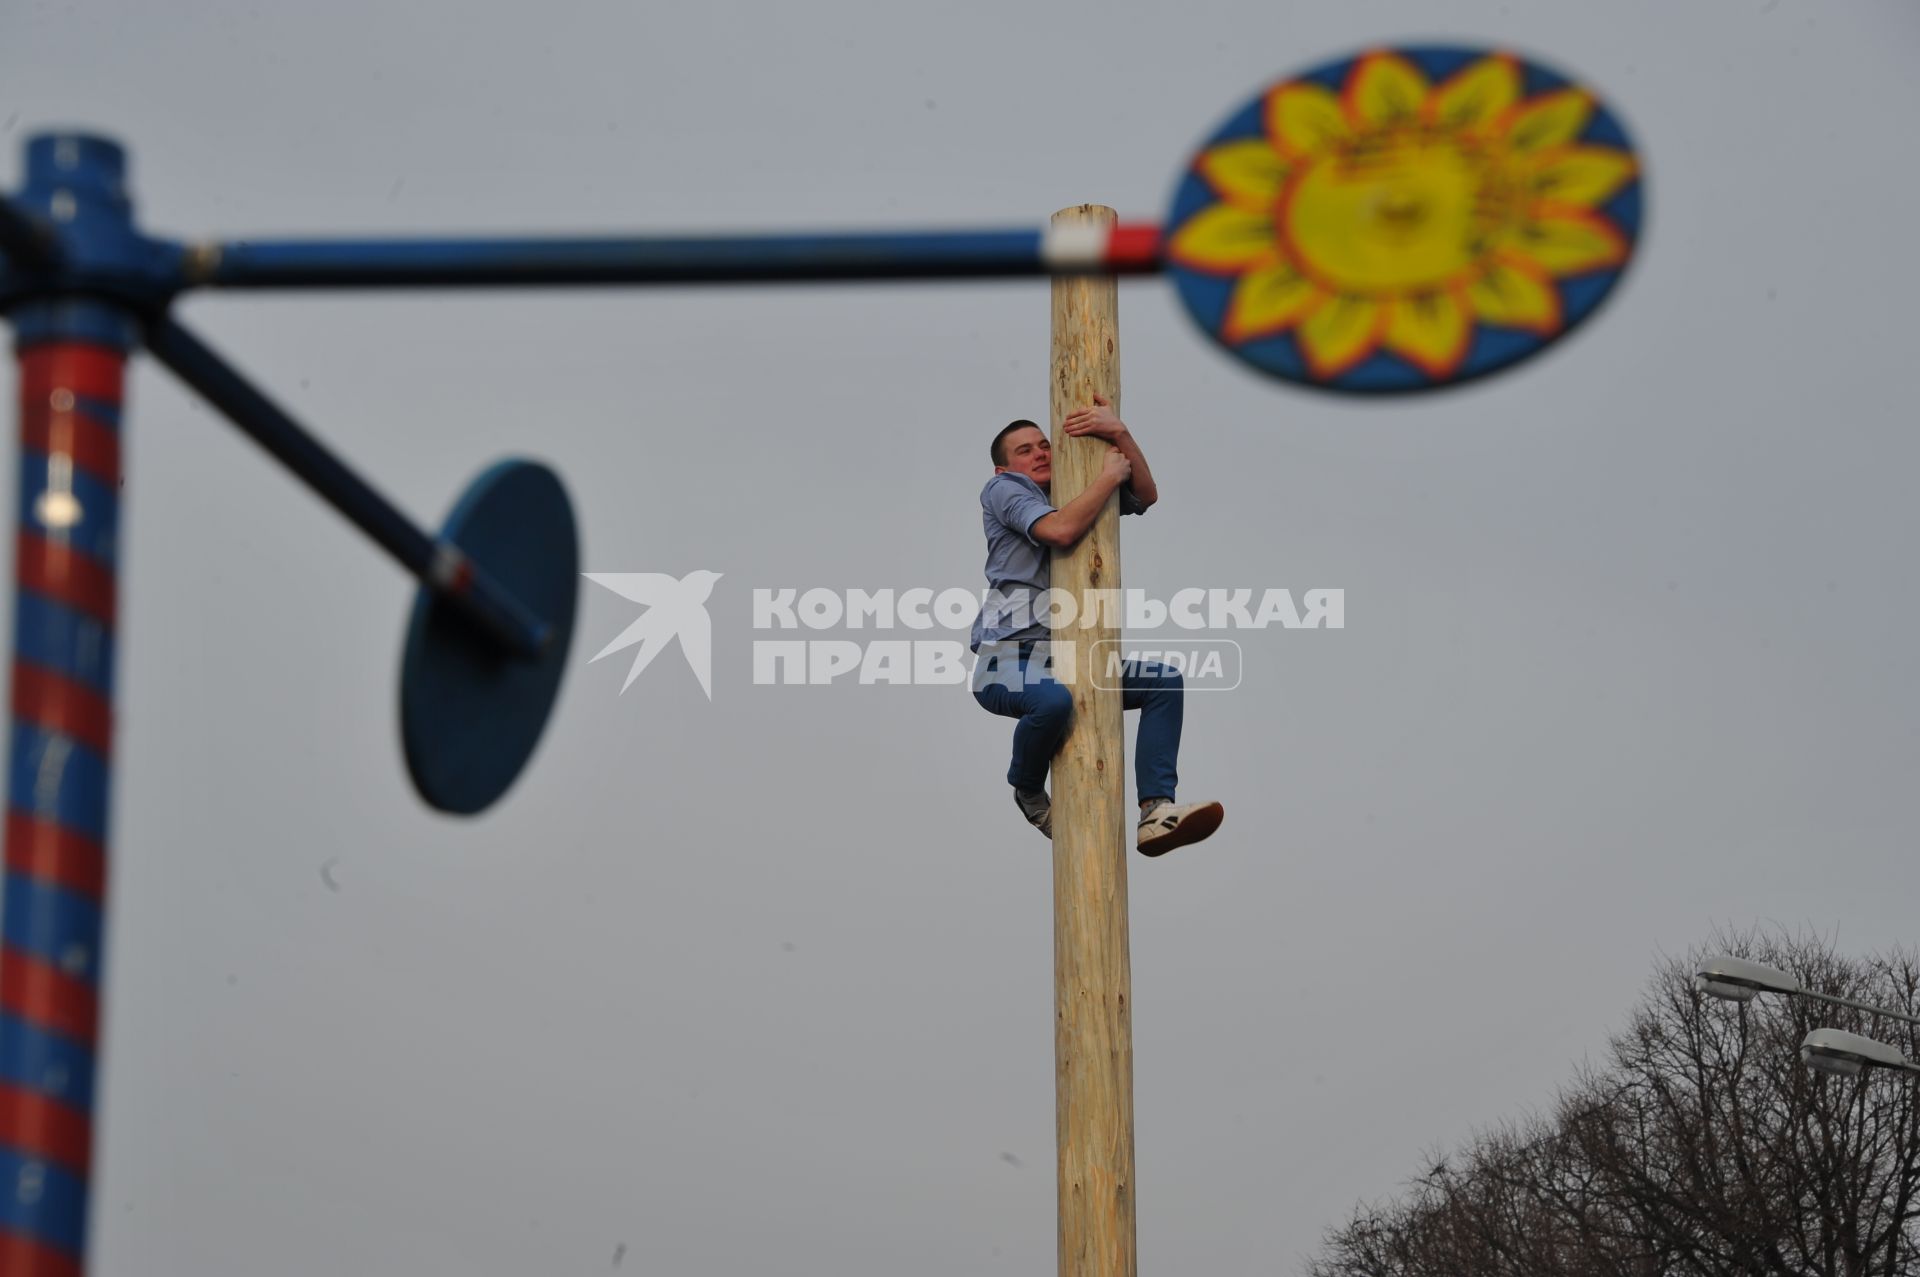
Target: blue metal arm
657 260
438 564
116 259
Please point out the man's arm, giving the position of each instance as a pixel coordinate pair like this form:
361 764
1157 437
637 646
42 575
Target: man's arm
1100 422
1070 522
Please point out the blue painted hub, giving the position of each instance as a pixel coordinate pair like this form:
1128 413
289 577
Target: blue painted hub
470 713
76 184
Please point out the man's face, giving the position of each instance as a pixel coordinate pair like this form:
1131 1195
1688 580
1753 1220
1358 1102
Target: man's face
1028 453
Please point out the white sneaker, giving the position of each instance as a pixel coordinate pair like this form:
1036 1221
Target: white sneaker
1171 825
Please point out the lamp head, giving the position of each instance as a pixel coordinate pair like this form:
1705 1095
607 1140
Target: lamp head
1737 980
1844 1054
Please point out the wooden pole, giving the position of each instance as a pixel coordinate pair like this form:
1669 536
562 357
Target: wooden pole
1092 978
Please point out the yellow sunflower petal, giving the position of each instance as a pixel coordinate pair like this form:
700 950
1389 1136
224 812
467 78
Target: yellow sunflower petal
1268 301
1248 172
1567 241
1552 119
1583 175
1304 118
1340 334
1225 240
1431 330
1478 95
1384 88
1515 297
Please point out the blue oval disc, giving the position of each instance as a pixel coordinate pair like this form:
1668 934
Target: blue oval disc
470 713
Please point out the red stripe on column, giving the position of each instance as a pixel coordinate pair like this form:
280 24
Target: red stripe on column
61 705
46 852
37 992
44 1127
95 448
25 1257
65 574
93 371
1134 246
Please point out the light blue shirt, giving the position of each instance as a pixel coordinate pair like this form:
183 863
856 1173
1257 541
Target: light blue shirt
1018 566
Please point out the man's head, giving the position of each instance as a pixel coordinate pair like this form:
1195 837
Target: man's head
1022 448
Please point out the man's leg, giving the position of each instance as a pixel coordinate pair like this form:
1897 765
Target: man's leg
1159 693
1025 689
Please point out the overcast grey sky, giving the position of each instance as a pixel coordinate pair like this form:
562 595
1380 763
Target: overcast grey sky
763 984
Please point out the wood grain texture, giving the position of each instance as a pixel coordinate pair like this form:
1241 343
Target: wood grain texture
1092 975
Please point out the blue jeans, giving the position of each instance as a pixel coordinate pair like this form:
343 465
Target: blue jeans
1045 711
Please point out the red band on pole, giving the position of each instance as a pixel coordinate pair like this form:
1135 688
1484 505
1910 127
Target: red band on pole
61 705
91 372
24 1257
46 852
43 996
65 575
33 1123
94 448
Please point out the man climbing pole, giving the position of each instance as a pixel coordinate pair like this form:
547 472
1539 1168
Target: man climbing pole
1014 676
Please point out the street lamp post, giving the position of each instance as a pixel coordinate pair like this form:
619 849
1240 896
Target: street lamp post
1737 980
1830 1051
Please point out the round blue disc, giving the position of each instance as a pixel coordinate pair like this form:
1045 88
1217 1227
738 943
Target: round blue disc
471 713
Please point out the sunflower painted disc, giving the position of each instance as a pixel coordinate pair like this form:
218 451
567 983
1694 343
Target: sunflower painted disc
1405 219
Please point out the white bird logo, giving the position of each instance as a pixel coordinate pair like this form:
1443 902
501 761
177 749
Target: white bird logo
675 609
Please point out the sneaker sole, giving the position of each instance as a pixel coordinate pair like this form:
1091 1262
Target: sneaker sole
1201 824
